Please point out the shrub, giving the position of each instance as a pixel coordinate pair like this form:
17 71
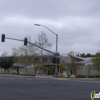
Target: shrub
81 76
93 76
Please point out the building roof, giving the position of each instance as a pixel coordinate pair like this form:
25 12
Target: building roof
81 58
18 66
84 62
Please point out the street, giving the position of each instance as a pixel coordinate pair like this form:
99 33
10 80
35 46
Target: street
31 88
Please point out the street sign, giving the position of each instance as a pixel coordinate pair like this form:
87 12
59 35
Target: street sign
56 54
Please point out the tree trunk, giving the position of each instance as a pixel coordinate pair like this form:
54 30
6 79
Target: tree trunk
59 70
96 72
26 70
8 71
1 70
75 71
4 71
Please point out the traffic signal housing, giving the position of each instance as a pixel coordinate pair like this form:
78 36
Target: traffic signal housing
25 41
54 60
3 38
58 60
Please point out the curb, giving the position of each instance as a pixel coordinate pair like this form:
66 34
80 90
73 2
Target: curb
86 79
16 75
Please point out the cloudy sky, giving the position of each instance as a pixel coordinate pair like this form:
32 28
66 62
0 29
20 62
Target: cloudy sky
77 23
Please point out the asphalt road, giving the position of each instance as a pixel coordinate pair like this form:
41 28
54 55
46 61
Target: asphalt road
28 88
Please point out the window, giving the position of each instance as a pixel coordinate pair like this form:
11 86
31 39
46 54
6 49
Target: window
44 59
36 59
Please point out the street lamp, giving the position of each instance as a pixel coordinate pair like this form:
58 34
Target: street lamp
56 45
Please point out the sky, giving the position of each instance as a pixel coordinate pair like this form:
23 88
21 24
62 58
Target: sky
77 23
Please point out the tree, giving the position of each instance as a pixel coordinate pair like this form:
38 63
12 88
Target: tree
25 54
88 55
6 63
61 66
38 66
73 66
71 53
50 69
4 54
43 42
96 63
83 55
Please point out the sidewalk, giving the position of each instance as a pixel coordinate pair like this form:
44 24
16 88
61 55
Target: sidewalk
86 79
74 79
45 76
52 77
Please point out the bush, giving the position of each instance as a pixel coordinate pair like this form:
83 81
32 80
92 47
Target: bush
93 76
81 76
84 76
24 74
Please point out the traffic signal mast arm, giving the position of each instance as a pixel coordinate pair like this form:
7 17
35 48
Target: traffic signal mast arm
13 39
30 43
41 48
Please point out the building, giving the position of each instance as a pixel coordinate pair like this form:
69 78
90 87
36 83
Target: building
84 67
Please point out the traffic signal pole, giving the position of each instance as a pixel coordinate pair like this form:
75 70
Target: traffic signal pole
56 74
56 45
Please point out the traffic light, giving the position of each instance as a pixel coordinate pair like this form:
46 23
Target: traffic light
25 41
3 38
54 60
58 60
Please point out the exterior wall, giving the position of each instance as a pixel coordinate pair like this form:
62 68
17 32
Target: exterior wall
85 70
67 59
1 70
82 70
40 72
94 72
30 70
